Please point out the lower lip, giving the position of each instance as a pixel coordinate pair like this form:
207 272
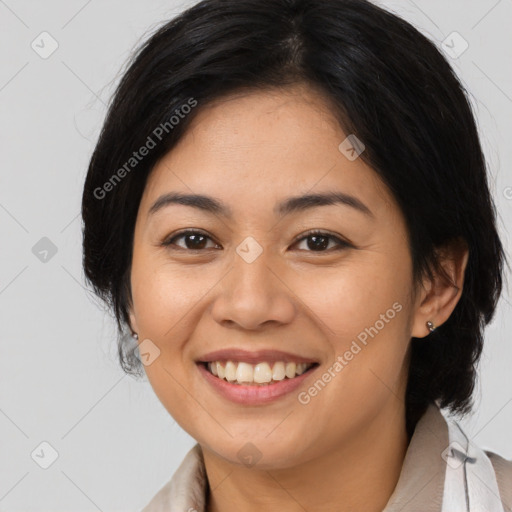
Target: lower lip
254 394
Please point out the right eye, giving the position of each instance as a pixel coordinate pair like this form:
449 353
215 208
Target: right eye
194 240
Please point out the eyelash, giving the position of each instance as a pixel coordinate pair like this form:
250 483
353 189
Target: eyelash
342 244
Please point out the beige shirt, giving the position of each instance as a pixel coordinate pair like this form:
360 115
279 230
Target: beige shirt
419 488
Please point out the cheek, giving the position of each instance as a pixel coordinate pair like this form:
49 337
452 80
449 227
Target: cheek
162 294
353 297
365 314
367 338
166 302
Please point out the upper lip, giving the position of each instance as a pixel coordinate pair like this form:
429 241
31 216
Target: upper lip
253 357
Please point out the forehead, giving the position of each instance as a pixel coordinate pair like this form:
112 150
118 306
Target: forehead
253 148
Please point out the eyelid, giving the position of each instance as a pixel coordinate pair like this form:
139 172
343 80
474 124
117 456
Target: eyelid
341 243
187 231
320 232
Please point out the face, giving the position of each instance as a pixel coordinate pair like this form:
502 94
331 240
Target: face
243 272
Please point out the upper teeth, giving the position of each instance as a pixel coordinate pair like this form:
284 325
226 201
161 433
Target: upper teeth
259 373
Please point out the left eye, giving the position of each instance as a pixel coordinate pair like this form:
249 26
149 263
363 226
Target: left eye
317 241
320 241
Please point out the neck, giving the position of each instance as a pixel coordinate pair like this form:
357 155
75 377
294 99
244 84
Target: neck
358 474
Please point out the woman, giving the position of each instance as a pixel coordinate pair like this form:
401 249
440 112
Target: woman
288 209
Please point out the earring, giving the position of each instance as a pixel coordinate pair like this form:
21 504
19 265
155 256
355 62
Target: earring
135 335
431 326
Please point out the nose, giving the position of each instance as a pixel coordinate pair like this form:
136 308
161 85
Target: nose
253 295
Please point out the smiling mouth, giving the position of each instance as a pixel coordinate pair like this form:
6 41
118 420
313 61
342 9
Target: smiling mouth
261 374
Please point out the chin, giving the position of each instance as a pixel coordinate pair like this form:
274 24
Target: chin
258 452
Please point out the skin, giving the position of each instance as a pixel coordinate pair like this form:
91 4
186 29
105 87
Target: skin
344 449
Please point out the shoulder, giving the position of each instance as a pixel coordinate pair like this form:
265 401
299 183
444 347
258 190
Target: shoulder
503 469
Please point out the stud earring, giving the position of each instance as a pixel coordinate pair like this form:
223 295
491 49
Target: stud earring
135 335
431 326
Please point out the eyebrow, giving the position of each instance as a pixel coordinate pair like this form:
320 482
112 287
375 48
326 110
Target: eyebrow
285 207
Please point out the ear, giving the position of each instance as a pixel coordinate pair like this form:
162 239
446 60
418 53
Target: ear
133 322
439 296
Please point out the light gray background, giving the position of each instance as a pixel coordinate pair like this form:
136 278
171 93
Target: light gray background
60 381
